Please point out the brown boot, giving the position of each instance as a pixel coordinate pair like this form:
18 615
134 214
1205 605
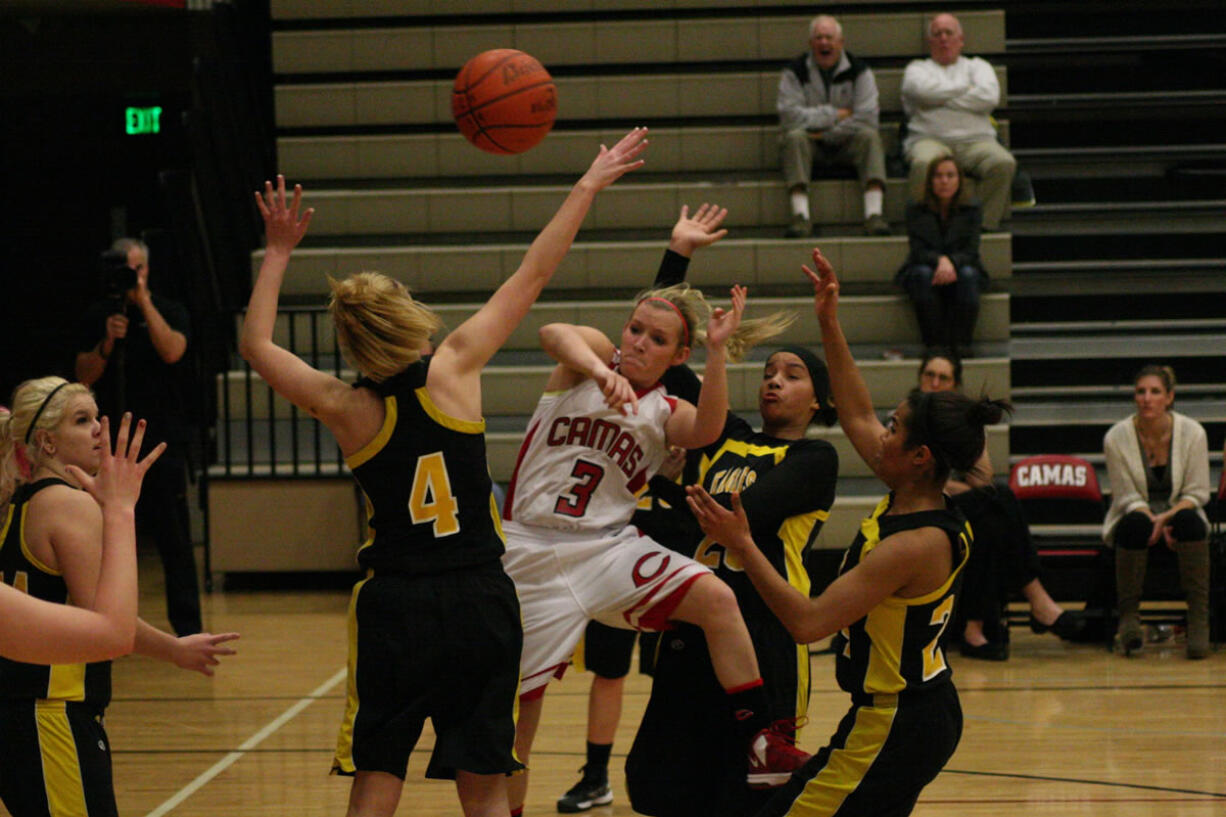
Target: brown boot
1194 576
1129 580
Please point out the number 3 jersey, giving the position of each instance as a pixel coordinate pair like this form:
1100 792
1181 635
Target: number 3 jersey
900 644
583 465
429 497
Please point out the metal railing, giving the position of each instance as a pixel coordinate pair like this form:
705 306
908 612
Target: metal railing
260 434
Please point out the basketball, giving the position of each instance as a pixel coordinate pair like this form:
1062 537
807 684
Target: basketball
504 101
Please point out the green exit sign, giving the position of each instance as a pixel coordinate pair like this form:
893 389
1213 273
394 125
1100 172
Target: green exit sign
138 121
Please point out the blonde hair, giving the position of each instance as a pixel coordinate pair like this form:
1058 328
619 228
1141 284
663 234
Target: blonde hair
692 305
15 428
381 329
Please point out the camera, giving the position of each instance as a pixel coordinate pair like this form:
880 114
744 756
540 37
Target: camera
117 276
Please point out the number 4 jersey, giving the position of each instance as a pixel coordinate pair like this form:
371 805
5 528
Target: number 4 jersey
583 465
429 498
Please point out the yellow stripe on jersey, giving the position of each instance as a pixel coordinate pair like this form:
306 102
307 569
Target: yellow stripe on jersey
8 520
25 546
390 412
497 517
886 625
794 533
61 767
845 769
745 450
66 682
343 761
446 420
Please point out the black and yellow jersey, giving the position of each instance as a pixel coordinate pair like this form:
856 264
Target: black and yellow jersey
19 568
900 644
786 487
429 496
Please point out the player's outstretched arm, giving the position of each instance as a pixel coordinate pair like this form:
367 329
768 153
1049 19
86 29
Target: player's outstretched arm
318 393
467 349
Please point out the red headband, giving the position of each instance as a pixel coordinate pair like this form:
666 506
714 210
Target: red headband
685 327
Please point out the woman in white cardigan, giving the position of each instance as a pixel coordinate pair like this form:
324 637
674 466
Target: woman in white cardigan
1158 466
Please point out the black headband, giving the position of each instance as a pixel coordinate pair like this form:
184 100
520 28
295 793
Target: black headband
817 371
39 413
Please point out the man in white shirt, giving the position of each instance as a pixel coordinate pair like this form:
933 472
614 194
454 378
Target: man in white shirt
948 99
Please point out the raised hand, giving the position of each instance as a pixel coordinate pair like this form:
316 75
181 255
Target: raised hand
617 391
700 230
612 163
825 286
120 473
283 226
728 527
724 322
200 652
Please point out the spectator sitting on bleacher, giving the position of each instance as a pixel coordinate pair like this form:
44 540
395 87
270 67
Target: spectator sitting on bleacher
828 114
948 100
1003 558
1158 467
943 274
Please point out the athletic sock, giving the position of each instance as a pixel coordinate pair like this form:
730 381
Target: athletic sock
597 768
800 203
749 708
874 199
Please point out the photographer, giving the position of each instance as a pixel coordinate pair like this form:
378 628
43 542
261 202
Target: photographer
129 346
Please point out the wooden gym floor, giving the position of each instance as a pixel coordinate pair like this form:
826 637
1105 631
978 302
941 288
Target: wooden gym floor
1059 729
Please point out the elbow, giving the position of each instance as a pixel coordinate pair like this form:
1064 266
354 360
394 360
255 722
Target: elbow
804 632
121 642
551 335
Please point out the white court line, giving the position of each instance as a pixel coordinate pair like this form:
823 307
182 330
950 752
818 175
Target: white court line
251 742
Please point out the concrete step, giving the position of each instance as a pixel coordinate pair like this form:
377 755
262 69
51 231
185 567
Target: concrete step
446 47
514 390
628 97
625 205
628 265
866 319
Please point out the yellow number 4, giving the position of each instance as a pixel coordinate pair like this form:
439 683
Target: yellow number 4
431 499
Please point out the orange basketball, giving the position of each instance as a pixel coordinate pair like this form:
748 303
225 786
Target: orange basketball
504 101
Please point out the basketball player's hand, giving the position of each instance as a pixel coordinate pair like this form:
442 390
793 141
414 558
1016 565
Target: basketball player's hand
117 483
673 464
612 163
618 393
728 527
700 230
283 226
201 652
724 322
825 286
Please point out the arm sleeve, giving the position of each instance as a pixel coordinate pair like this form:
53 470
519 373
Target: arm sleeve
965 249
982 95
1126 494
673 267
1196 466
176 316
793 112
925 87
866 106
921 239
803 482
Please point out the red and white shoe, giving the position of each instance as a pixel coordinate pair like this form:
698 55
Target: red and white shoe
773 755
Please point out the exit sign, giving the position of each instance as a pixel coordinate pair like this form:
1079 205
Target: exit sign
139 121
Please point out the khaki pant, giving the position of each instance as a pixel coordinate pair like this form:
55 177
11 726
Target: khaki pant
798 151
988 162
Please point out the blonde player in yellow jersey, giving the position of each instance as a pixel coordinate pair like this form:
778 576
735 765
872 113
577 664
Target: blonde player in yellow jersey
894 596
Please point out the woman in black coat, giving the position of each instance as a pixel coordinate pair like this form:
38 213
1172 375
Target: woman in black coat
943 274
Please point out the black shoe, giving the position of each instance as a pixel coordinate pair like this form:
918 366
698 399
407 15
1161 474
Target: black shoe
585 794
986 652
1069 625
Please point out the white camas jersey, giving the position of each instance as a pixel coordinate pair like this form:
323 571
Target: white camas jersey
583 465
